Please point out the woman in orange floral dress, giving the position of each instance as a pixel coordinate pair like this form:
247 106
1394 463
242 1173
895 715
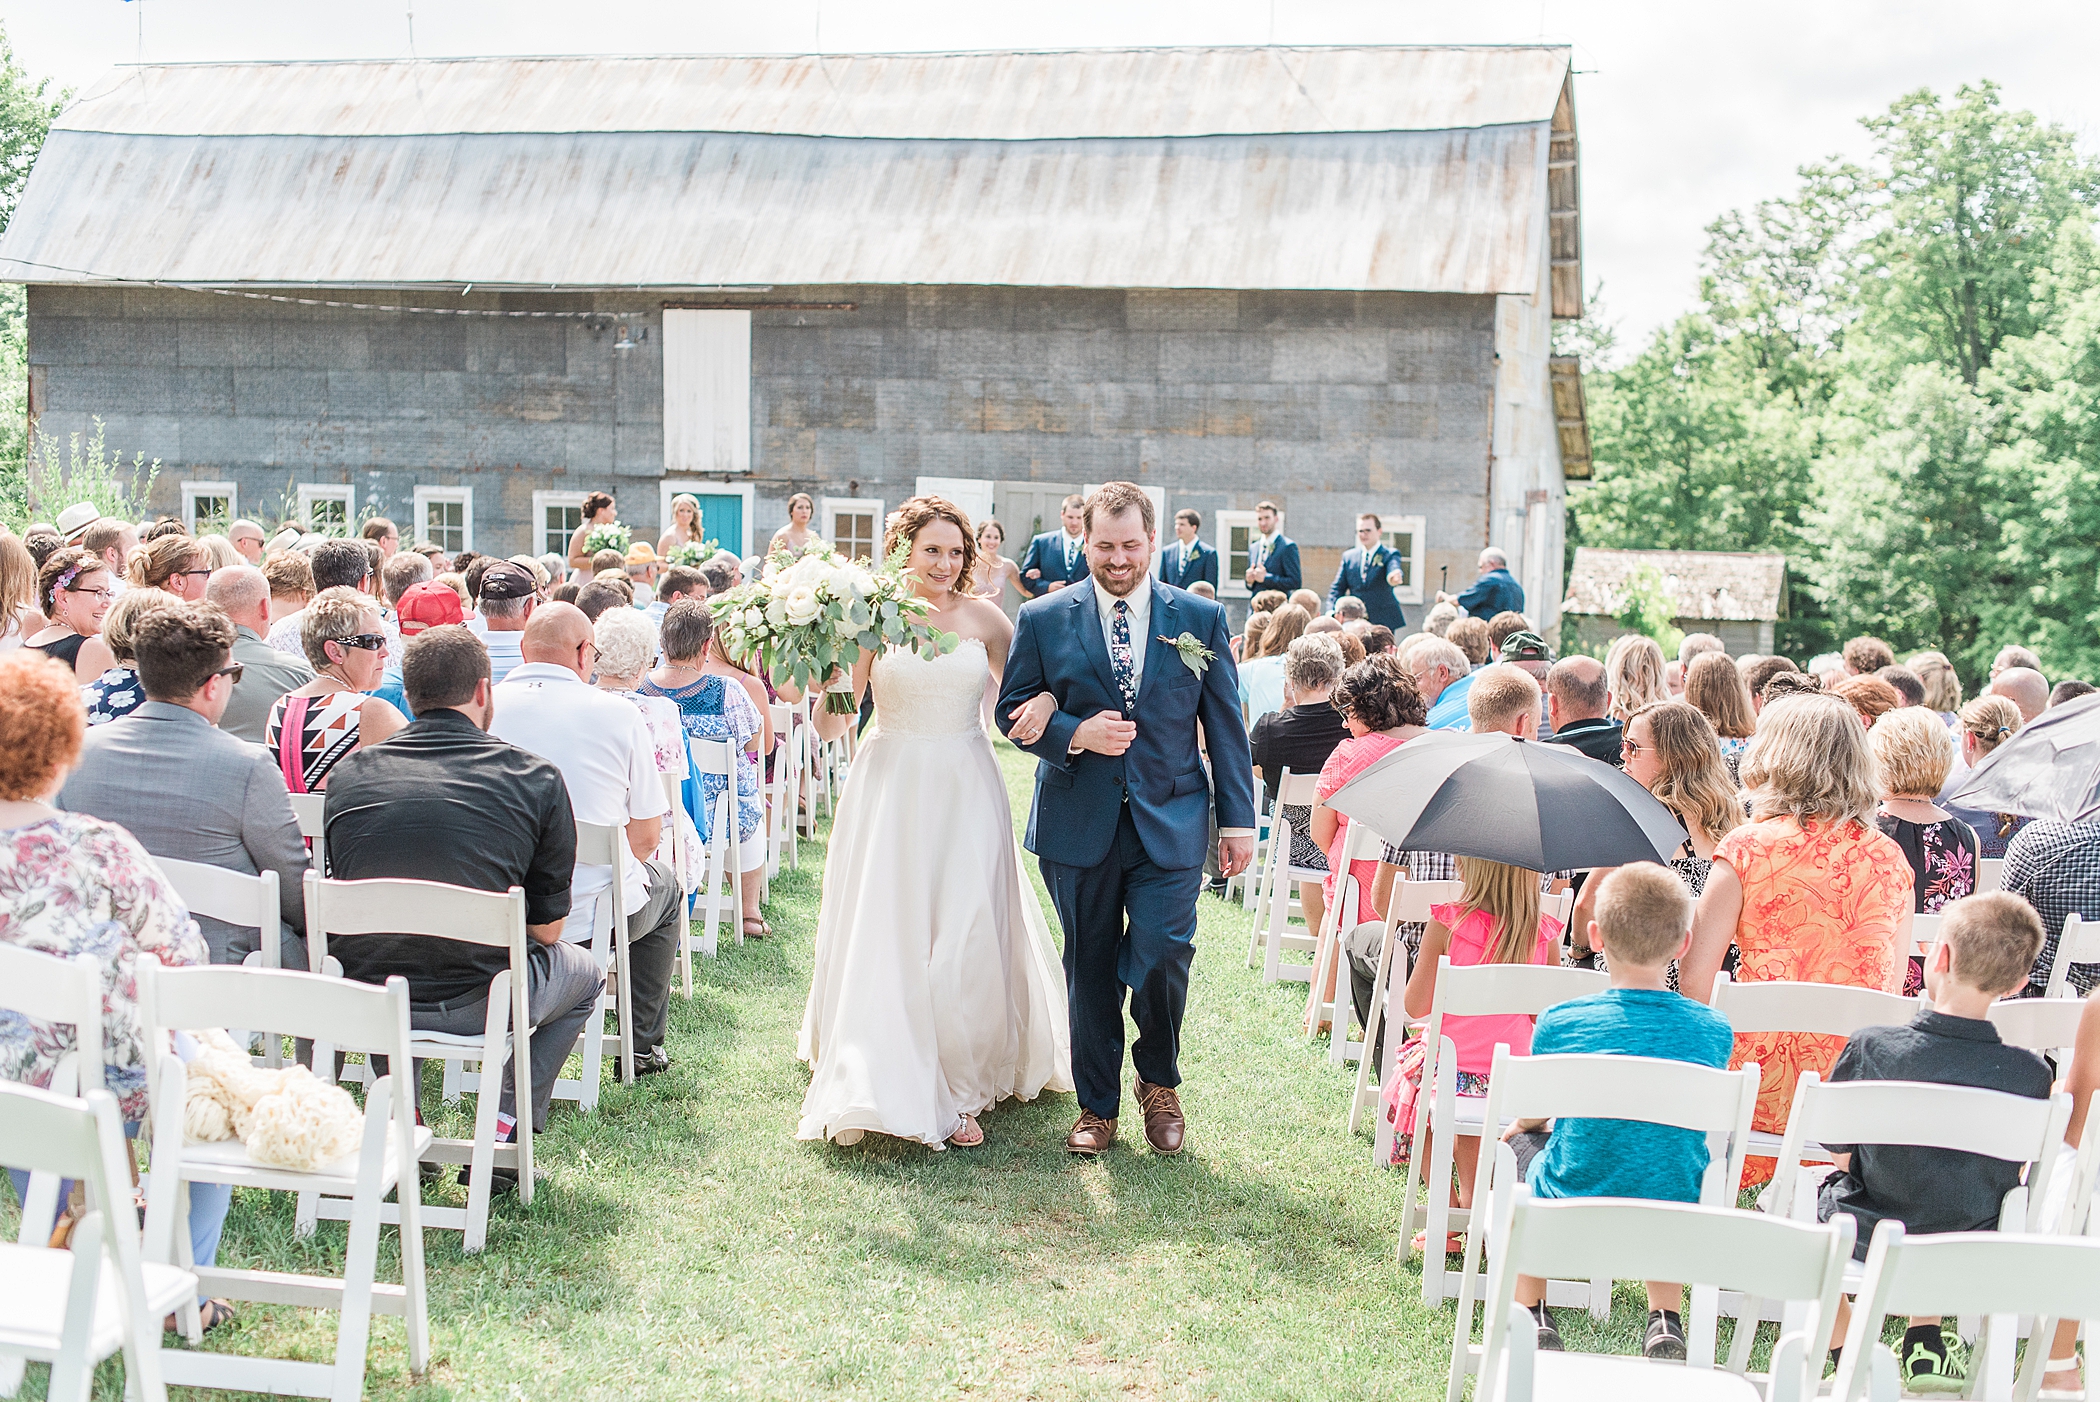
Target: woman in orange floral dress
1809 890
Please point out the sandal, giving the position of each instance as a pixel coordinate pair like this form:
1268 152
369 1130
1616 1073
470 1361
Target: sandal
210 1315
761 932
1454 1243
969 1136
2061 1394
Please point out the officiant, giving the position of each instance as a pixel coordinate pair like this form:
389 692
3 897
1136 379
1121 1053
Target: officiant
1369 573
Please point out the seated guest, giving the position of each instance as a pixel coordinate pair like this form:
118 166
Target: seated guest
1247 645
1716 689
1909 685
1913 753
1204 589
1377 639
1986 946
1437 622
1378 702
1984 725
1642 927
186 789
419 808
1576 700
291 578
336 564
604 560
1527 651
1869 695
1787 684
507 597
2055 867
1349 609
312 727
1268 601
117 692
1442 677
1760 672
1865 656
2063 691
242 593
2024 687
74 591
599 596
72 883
421 607
1807 890
1471 636
678 582
1633 667
1504 700
1299 738
1502 625
1942 687
403 571
1261 676
603 749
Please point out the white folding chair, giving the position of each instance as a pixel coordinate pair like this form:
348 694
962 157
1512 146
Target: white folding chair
1473 990
1702 1246
721 891
1990 874
2080 945
235 897
308 809
344 1015
74 1308
340 909
1648 1090
1249 880
1410 902
66 991
781 792
598 845
1924 934
1328 999
2000 1276
2045 1025
1276 895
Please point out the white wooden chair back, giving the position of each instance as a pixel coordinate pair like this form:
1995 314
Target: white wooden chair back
66 991
782 790
1408 903
1274 905
1274 878
1990 874
494 919
309 808
1329 999
1703 1246
1924 934
235 897
720 894
2080 945
1297 790
2000 1275
600 845
2045 1025
62 1307
1831 1009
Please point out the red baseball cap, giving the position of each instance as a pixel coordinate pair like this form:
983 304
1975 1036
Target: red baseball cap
428 605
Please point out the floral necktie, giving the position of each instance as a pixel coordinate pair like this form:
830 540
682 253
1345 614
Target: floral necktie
1121 660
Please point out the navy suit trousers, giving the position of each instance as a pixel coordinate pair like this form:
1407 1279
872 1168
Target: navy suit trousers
1128 925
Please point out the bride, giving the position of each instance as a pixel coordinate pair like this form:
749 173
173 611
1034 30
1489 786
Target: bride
936 992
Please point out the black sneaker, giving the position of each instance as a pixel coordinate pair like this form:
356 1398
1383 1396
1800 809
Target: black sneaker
1216 888
1665 1336
650 1062
1549 1332
1927 1366
501 1180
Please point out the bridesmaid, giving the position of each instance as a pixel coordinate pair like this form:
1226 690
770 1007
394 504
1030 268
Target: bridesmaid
685 525
796 533
599 509
995 573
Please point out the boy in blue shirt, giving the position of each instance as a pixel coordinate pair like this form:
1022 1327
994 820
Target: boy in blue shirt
1644 920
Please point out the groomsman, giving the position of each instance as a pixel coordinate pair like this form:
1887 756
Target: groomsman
1057 558
1188 559
1369 572
1272 556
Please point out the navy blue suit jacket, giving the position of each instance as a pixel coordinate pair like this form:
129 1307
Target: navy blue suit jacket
1047 553
1203 565
1058 648
1495 592
1366 580
1282 568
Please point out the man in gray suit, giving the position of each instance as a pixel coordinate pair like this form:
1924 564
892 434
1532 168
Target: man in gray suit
243 595
186 789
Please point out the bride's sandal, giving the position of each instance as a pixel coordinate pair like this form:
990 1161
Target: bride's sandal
2070 1388
969 1136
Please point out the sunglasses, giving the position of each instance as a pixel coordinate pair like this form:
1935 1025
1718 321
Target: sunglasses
369 642
231 669
1631 747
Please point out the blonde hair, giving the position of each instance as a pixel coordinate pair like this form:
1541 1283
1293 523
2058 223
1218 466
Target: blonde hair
1994 938
332 615
1714 686
122 620
1810 761
17 579
685 499
1256 629
1634 668
1286 626
1942 686
1992 720
1500 693
1643 911
1509 896
1694 782
159 560
1913 751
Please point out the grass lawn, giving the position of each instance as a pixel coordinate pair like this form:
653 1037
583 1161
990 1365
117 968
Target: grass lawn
683 1244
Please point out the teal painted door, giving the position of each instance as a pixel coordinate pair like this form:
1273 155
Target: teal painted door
722 521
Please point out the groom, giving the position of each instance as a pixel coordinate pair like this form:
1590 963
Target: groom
1120 819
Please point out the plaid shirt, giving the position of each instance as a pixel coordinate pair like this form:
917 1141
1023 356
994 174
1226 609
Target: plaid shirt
2055 867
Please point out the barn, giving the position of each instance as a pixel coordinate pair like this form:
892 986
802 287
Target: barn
463 293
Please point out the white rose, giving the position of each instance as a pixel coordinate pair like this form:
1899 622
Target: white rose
753 617
776 612
803 605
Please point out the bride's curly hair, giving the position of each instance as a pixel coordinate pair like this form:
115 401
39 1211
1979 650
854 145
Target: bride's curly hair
915 515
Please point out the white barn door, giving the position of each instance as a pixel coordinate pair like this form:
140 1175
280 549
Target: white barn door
707 392
972 494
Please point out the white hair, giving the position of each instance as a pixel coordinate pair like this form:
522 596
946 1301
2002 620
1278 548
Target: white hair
626 642
1430 650
1493 556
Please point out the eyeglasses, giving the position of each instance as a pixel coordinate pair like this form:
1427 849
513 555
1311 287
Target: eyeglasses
1632 747
205 572
370 642
105 595
231 669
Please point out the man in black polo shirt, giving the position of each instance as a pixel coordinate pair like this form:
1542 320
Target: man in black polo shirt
445 801
1577 697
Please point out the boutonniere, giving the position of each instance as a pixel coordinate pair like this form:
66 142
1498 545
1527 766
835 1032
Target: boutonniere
1194 655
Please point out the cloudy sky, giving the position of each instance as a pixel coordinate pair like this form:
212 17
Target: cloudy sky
1685 109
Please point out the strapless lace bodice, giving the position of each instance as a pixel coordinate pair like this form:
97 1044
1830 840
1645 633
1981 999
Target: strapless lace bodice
941 697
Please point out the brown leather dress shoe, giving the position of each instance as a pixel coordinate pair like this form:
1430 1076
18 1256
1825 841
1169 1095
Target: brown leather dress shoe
1092 1135
1164 1124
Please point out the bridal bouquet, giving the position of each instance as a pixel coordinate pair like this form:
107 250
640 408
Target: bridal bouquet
814 613
613 537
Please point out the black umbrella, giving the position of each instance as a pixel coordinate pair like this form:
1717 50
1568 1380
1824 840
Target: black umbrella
2050 769
1541 807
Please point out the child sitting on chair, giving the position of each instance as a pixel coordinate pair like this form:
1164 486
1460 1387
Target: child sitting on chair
1644 921
1495 920
1987 946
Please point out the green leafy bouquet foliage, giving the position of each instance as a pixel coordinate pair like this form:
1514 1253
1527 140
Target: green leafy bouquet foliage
694 553
814 614
612 537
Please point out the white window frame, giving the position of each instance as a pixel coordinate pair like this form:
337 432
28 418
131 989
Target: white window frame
344 492
540 502
672 486
191 491
854 506
1232 580
1415 528
426 496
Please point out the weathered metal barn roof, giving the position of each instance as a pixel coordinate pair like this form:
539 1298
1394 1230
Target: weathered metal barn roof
1716 585
1411 169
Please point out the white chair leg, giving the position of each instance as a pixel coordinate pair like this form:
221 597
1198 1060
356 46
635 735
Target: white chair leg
481 1164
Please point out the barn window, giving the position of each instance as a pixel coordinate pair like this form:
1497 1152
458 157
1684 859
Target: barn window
208 506
328 508
445 517
854 527
555 517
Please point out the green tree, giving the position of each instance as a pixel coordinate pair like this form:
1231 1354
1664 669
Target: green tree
26 112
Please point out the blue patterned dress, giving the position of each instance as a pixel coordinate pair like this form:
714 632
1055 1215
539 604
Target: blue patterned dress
712 709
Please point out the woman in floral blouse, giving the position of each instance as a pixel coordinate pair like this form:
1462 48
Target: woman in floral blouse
1914 753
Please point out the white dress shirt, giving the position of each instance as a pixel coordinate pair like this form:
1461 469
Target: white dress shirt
603 749
1140 601
1075 546
1263 544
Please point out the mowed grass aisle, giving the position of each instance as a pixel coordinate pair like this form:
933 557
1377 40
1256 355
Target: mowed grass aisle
684 1244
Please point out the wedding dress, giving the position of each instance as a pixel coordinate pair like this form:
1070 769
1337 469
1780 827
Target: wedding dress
937 992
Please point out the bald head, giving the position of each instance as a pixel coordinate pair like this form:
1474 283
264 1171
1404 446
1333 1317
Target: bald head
243 595
1578 689
558 633
2025 688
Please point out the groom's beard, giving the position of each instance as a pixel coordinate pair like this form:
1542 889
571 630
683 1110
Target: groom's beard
1117 589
